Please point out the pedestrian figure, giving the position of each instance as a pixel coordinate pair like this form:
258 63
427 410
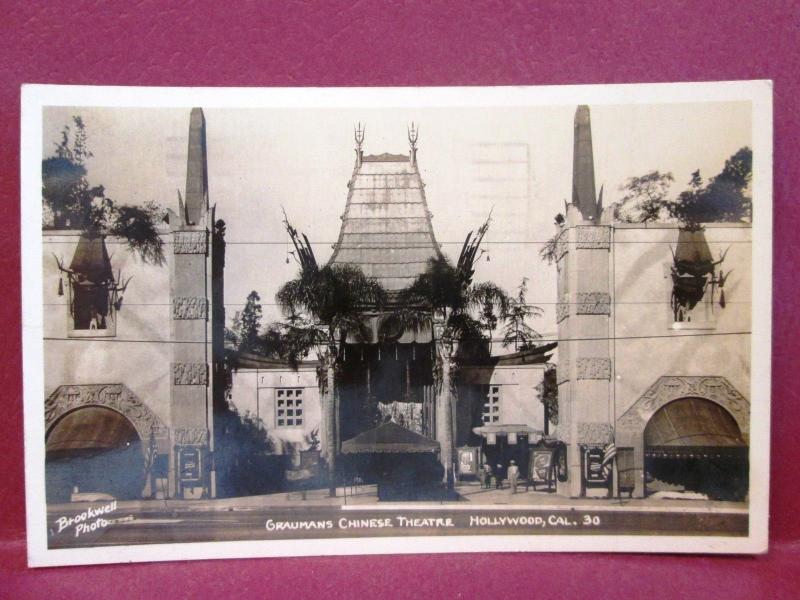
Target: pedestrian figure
499 476
513 476
485 475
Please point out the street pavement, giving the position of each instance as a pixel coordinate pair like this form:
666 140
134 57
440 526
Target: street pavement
313 514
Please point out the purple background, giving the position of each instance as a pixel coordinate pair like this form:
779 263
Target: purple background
410 43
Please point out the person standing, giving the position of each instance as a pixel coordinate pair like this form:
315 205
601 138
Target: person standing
513 476
498 476
485 475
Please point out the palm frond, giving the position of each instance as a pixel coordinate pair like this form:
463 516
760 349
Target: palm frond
489 294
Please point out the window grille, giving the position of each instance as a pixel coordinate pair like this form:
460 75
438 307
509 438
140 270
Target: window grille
289 407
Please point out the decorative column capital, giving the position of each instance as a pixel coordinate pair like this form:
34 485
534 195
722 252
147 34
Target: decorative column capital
189 307
593 368
189 374
593 303
593 237
190 242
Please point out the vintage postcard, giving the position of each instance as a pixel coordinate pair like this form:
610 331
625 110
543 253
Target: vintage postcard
275 322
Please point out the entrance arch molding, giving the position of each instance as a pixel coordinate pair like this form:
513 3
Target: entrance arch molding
115 396
630 426
668 388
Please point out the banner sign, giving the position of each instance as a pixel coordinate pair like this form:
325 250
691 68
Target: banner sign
468 461
189 463
593 471
542 466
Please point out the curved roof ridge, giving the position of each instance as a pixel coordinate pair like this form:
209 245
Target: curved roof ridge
396 204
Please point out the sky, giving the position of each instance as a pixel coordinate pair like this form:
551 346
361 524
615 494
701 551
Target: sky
513 161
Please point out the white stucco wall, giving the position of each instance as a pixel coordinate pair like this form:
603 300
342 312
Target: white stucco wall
519 401
138 355
647 344
253 392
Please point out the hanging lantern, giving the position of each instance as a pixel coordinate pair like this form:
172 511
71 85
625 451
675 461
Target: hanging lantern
60 286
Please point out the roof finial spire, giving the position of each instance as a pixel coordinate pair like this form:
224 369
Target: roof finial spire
583 185
196 169
413 135
358 132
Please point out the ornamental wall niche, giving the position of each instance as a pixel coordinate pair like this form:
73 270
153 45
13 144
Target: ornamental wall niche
630 426
117 397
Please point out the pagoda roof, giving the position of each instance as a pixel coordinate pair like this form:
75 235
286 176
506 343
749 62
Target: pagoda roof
386 225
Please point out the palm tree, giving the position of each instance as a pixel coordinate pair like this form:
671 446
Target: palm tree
322 306
445 296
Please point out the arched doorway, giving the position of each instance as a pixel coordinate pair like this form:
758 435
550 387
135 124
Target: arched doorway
94 449
695 445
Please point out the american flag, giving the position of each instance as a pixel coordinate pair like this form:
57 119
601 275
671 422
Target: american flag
609 453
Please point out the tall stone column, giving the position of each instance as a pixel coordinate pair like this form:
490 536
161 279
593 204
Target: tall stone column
584 317
191 400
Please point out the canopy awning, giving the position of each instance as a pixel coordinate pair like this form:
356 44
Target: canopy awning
485 430
91 428
389 438
693 422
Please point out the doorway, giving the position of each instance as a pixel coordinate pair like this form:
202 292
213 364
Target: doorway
94 450
694 446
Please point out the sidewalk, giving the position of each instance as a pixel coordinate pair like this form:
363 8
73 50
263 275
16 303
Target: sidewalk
470 496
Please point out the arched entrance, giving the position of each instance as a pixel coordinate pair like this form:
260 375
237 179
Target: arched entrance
695 445
710 418
94 450
99 439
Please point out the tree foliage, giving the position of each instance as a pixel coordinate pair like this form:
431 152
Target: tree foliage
244 456
723 198
517 332
249 324
547 391
70 202
323 305
644 199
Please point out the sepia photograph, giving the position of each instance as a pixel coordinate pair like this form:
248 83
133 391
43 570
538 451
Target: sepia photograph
293 322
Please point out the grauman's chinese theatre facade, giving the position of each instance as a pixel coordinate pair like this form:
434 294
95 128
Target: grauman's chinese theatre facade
654 349
387 232
132 353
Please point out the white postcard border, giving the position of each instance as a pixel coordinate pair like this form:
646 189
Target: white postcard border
36 97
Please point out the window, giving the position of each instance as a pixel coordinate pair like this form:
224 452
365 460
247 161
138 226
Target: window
90 306
91 310
491 408
697 282
289 407
94 293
